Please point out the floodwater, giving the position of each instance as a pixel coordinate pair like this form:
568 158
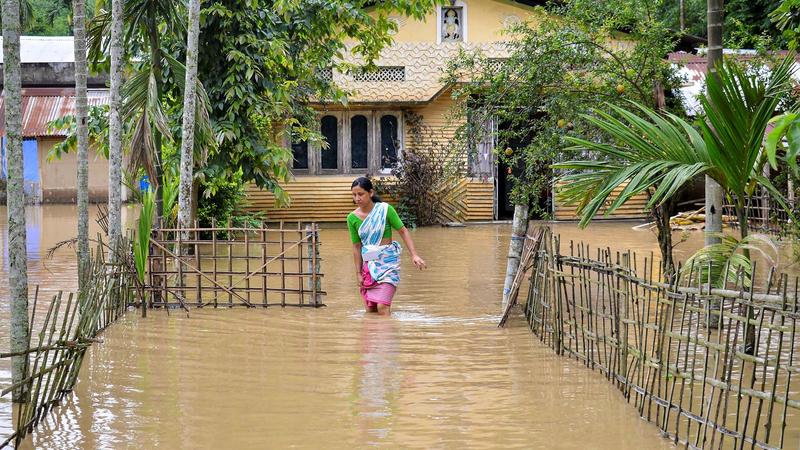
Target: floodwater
437 373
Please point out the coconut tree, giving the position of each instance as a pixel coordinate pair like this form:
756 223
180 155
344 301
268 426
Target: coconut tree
82 118
115 129
17 258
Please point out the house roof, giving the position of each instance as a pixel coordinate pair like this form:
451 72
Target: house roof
693 68
423 65
45 49
43 105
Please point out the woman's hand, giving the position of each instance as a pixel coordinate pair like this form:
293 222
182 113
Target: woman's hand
359 280
419 262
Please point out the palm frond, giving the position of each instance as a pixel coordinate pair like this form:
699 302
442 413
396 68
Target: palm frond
651 152
729 259
738 107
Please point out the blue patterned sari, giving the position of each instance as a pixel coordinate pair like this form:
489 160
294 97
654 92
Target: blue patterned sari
383 261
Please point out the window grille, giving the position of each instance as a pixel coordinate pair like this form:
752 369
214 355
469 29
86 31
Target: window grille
495 64
326 74
386 73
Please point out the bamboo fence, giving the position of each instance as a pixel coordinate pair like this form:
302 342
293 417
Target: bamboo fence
765 215
236 266
71 324
675 350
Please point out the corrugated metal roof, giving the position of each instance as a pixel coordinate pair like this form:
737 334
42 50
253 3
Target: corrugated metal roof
40 106
693 68
45 49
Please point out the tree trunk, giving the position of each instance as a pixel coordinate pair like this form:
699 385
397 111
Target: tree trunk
17 258
115 131
661 214
682 14
518 230
82 118
155 56
747 311
189 107
713 190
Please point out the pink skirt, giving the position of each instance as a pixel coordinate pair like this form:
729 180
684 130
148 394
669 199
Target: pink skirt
373 292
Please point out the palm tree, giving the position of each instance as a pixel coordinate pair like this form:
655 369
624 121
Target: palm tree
82 118
189 97
660 153
142 20
115 130
17 258
142 109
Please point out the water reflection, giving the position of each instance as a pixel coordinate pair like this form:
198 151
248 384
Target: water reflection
379 377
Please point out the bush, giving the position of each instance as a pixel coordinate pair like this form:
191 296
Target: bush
425 177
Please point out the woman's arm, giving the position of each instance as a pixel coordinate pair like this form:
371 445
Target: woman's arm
406 235
358 261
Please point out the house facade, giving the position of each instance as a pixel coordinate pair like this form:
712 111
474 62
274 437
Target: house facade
373 131
48 81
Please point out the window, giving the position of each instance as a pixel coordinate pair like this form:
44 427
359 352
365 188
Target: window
386 73
300 154
359 142
329 128
388 141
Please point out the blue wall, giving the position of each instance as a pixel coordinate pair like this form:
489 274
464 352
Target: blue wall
30 158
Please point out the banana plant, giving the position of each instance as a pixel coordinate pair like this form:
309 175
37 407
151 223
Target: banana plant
141 246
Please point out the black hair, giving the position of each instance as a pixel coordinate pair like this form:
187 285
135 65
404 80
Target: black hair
365 184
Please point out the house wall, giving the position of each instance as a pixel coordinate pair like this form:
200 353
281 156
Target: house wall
59 178
486 19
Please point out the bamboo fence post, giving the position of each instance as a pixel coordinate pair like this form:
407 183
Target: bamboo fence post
214 256
283 265
264 271
229 245
314 283
247 260
179 261
300 272
197 261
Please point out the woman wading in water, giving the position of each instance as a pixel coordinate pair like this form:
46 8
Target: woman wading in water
377 257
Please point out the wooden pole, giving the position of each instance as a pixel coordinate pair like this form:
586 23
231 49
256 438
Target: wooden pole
518 230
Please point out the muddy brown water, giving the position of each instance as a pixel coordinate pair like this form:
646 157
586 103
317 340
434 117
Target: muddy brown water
438 373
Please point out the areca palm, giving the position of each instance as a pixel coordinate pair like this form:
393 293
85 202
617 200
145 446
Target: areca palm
156 73
660 153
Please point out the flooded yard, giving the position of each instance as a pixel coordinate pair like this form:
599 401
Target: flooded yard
438 373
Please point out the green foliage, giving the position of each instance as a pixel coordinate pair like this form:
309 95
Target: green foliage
787 19
729 260
558 67
647 151
264 66
747 23
658 154
424 179
222 204
141 246
98 133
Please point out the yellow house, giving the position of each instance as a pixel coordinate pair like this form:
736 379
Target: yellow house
372 132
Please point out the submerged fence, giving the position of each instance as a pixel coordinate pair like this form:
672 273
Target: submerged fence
712 368
269 265
71 324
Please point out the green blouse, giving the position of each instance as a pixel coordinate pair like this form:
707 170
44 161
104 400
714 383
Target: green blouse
392 222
